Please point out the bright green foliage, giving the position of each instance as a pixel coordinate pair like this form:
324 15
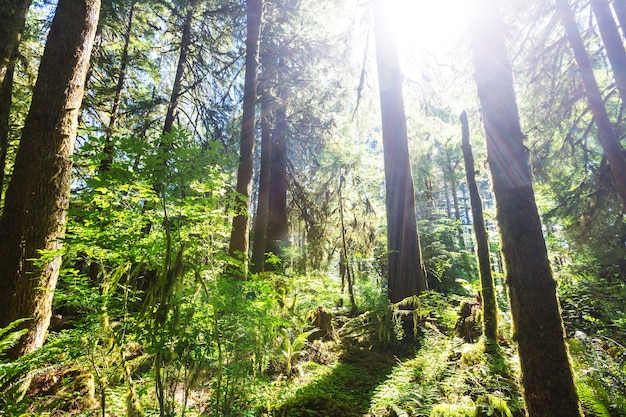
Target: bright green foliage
452 410
445 371
600 375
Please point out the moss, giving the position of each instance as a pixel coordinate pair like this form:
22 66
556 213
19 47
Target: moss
489 405
316 406
452 410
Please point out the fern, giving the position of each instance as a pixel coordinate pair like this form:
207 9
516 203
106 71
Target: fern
590 401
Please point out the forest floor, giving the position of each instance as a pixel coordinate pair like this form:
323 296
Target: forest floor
355 371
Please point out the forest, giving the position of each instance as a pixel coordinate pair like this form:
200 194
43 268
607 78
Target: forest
300 208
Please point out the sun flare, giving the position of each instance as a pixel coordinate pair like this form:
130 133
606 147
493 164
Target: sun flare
427 25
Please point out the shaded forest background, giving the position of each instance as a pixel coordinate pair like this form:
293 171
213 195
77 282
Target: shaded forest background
158 312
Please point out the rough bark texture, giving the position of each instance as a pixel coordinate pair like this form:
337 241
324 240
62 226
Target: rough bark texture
606 134
34 215
547 377
12 19
612 43
405 275
488 294
239 238
277 226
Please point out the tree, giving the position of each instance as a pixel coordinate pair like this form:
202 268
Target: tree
488 294
33 222
405 275
606 134
277 226
612 43
108 150
239 237
12 19
259 243
546 371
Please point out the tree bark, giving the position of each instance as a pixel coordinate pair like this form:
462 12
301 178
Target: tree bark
405 274
6 95
239 238
185 43
547 376
33 223
606 134
488 294
259 244
12 20
277 225
612 43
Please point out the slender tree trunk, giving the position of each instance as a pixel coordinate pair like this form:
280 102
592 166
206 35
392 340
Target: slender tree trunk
405 275
259 244
346 270
488 294
620 11
6 95
547 376
613 44
277 226
33 223
108 151
239 238
12 20
606 134
185 43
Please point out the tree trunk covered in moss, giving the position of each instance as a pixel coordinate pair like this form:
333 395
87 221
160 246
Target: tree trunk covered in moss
606 134
239 237
32 226
6 96
405 273
489 305
547 377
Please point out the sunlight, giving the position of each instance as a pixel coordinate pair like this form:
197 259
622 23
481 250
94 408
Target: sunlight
427 26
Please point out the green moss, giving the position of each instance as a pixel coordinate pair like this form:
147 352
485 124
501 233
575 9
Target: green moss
452 410
489 405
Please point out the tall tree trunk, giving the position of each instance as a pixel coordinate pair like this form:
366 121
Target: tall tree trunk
259 244
620 11
6 95
613 44
239 238
12 20
345 267
33 223
547 376
405 274
277 226
108 151
606 134
185 43
488 294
